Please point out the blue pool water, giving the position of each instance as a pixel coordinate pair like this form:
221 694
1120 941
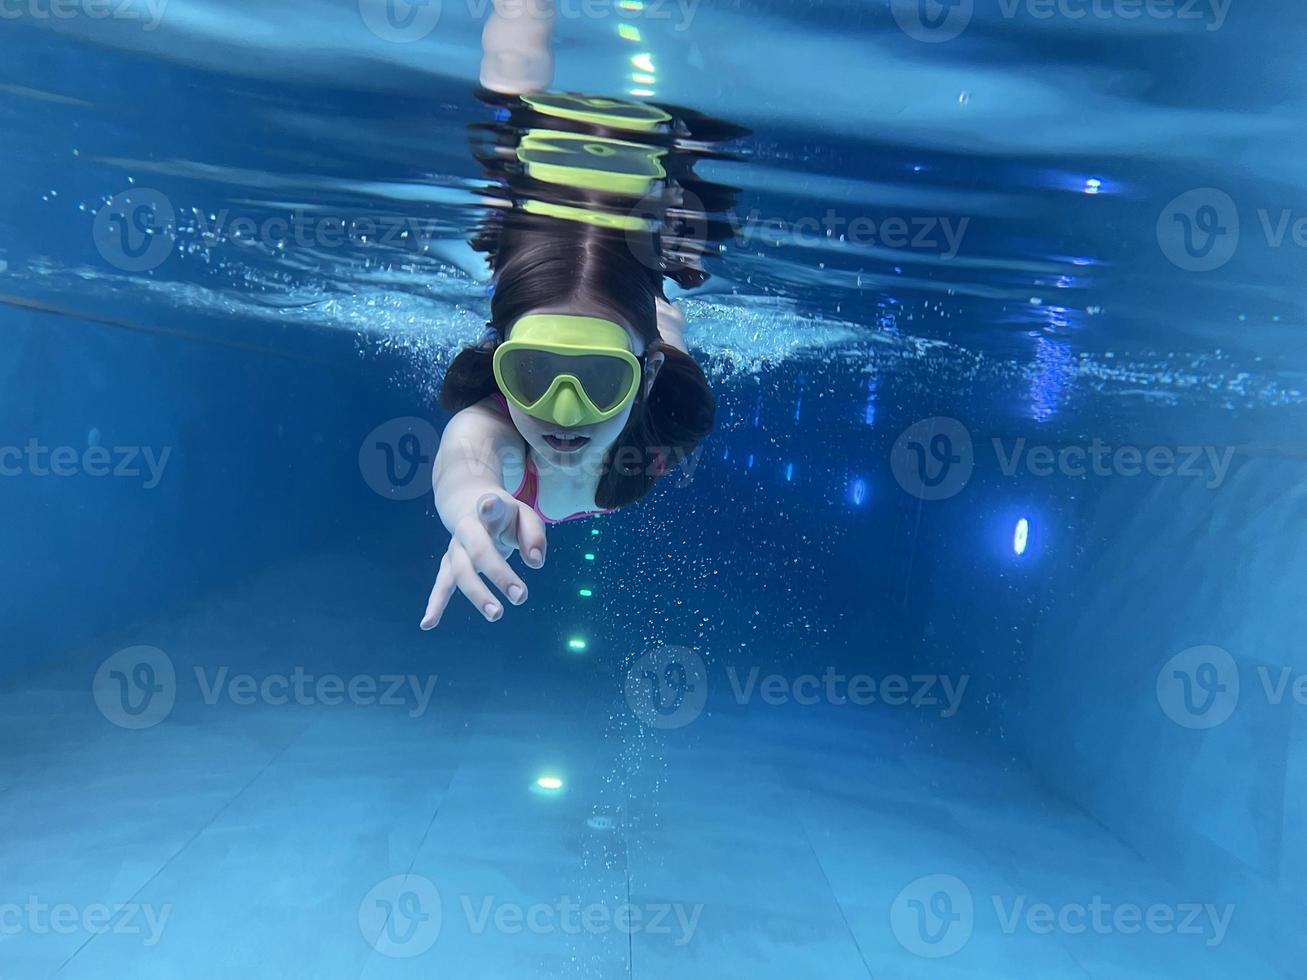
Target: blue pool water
969 646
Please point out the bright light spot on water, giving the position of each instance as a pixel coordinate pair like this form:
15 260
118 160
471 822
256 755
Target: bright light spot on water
585 593
630 4
644 62
594 532
1050 376
627 32
1020 535
789 472
589 556
642 93
749 464
549 784
1093 185
640 78
576 643
858 491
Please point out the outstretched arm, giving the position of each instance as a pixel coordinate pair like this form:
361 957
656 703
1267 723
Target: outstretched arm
515 53
486 523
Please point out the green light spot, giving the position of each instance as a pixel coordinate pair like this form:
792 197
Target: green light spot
586 593
628 33
589 556
576 643
548 785
594 532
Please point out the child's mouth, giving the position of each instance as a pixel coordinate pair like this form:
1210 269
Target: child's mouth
566 444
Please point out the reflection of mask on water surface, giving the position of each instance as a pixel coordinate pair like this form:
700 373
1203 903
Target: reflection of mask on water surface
613 164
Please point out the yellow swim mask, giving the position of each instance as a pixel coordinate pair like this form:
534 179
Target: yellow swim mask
569 370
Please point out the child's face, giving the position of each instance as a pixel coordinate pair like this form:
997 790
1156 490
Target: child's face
581 448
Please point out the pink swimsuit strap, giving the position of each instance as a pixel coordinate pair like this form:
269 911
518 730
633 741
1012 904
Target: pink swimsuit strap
528 491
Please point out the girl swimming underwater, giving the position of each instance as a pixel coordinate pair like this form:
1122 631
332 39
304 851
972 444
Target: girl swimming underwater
582 394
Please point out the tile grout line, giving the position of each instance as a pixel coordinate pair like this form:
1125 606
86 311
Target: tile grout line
195 836
807 839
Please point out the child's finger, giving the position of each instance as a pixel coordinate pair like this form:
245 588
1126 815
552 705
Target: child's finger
440 595
488 561
531 536
471 585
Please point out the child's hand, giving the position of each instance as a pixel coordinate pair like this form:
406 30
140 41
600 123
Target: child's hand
481 544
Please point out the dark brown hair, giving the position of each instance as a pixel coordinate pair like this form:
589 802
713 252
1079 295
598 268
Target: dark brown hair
574 265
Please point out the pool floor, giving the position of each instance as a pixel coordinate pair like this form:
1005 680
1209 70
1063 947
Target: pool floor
412 840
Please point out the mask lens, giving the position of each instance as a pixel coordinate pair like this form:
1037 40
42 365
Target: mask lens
606 380
529 373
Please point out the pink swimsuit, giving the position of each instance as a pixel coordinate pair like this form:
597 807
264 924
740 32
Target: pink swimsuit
528 491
